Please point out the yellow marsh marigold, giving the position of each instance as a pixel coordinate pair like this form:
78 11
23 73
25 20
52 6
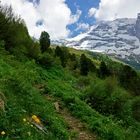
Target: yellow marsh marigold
3 133
36 119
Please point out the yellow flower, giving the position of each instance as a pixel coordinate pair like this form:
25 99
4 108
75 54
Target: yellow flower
2 133
24 120
36 119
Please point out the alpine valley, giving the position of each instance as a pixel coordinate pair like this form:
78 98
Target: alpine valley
119 39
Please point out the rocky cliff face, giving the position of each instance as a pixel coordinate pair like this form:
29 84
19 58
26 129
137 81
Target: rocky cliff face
137 27
119 38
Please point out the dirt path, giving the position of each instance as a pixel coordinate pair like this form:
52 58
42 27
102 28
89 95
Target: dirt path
77 126
74 123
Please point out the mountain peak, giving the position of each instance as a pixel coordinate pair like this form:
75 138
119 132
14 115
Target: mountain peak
119 38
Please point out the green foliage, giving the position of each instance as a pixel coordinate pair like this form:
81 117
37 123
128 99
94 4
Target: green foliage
2 44
130 80
58 51
86 65
107 97
136 109
46 60
19 80
72 57
105 127
34 51
22 100
12 29
83 65
103 70
63 54
83 82
44 41
73 62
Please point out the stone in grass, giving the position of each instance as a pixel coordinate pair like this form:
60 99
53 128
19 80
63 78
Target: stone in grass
57 106
2 102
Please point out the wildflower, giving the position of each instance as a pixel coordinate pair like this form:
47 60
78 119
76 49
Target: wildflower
3 133
24 120
36 119
29 133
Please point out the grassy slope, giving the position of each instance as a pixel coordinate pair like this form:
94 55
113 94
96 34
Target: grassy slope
18 82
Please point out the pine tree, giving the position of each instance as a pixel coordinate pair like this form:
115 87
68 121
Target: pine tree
44 41
64 56
83 65
58 51
130 80
103 71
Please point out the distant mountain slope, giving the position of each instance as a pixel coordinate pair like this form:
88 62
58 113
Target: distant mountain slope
119 38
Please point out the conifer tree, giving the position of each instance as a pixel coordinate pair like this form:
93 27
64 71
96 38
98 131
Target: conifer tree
83 65
103 71
44 41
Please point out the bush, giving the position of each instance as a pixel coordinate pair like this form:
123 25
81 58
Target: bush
46 60
63 54
136 109
73 62
129 79
106 97
34 51
2 44
83 82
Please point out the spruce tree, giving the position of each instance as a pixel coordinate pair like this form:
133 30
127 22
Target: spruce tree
103 71
58 51
83 65
44 41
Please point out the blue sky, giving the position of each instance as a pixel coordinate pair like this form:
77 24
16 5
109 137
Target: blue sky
68 18
84 6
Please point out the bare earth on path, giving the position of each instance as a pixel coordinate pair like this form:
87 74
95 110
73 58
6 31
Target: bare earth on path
75 125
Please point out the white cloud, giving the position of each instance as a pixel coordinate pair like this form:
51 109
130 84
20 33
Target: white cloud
92 12
55 15
82 26
111 9
75 18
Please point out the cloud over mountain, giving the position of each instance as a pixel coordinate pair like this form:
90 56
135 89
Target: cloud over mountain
112 9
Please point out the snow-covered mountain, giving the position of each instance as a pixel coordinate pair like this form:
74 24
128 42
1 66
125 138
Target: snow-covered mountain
119 38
